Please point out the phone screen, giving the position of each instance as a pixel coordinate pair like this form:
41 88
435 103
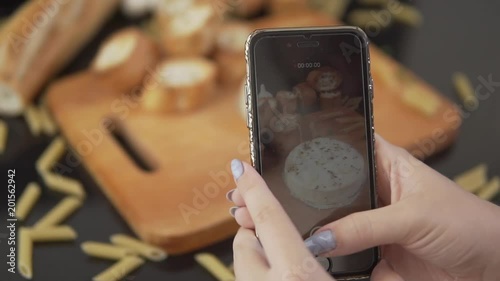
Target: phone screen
314 130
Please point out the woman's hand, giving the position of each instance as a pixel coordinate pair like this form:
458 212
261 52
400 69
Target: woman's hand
281 254
430 228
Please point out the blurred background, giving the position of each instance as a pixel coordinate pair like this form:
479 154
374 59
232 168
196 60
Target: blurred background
66 73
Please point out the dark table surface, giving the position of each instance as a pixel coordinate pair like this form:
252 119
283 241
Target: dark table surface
456 36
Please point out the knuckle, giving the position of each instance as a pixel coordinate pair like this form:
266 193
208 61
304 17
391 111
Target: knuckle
361 226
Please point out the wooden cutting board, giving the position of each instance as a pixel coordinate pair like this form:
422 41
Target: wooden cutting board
180 204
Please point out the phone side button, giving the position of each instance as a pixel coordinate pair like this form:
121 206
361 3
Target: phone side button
326 263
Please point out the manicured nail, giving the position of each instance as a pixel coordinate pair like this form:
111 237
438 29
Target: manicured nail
321 242
236 168
232 210
229 195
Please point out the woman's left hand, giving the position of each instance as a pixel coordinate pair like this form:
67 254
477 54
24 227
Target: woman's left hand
281 253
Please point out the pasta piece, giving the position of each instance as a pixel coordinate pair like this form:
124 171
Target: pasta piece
420 100
27 200
53 234
465 91
64 185
50 156
4 135
49 127
473 179
25 262
105 251
59 213
490 190
409 15
213 265
120 269
32 117
366 19
141 248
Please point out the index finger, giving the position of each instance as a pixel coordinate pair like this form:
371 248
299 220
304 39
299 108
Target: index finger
279 237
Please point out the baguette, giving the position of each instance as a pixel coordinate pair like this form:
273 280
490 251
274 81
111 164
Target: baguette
188 32
40 27
230 52
123 58
185 84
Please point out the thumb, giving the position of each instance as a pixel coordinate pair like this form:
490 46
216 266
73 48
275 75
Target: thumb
361 231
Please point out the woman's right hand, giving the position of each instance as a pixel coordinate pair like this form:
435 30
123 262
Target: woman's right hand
431 228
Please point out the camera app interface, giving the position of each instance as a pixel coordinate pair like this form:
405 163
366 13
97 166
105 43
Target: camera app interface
311 118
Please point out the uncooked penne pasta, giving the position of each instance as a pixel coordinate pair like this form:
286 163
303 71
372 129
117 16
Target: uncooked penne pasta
421 100
25 248
105 251
465 91
4 135
27 200
32 117
213 265
53 234
409 15
50 156
365 18
148 251
473 179
49 127
64 184
59 213
120 269
490 190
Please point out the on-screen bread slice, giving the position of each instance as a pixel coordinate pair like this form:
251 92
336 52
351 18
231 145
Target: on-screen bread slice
190 31
123 58
230 51
184 84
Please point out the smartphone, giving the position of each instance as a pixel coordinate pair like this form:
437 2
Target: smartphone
309 111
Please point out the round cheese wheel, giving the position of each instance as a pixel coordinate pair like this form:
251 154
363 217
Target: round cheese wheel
324 173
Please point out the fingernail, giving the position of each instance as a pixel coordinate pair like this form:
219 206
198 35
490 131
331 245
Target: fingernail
232 211
229 195
321 242
236 168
